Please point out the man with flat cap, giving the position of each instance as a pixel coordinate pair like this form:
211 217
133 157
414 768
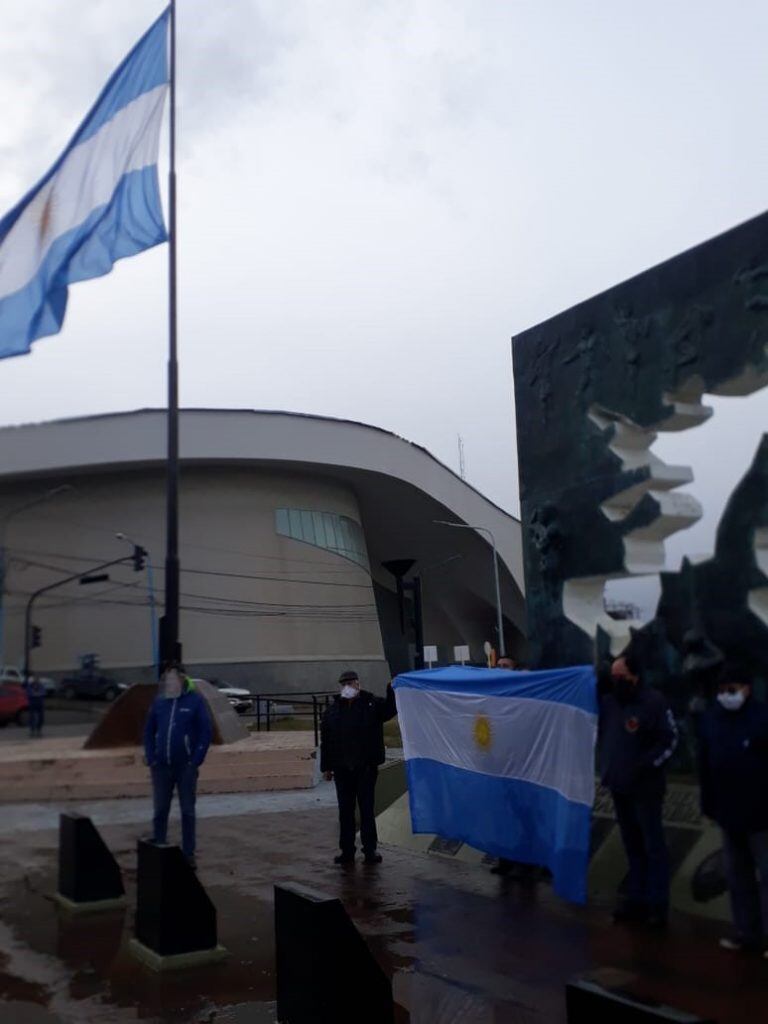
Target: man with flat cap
351 750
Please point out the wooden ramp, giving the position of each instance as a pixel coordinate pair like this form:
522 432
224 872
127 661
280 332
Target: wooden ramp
60 769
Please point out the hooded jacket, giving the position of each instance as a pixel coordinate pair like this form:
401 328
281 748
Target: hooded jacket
733 766
351 733
636 739
178 730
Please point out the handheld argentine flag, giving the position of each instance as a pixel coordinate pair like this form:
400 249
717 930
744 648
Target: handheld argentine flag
505 762
98 203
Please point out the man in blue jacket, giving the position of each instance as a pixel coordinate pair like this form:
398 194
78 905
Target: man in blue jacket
733 761
36 696
636 738
177 735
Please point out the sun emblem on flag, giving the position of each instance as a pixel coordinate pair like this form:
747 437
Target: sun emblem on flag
482 732
46 217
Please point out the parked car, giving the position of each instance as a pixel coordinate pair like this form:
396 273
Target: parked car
14 706
237 697
50 685
92 685
13 674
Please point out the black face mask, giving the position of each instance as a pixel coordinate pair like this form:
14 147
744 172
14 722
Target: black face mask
624 690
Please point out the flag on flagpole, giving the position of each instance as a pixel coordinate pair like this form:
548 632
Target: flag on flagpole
504 761
99 203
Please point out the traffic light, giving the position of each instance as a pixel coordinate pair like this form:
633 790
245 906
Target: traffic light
139 555
36 637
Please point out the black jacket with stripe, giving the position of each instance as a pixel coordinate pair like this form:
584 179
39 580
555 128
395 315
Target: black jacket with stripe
636 740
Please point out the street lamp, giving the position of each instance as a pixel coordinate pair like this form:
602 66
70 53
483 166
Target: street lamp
3 530
151 591
484 529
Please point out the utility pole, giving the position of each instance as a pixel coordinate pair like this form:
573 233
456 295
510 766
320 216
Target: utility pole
142 556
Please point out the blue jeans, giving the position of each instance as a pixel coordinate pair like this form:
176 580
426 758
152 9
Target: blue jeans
642 832
36 717
183 778
746 870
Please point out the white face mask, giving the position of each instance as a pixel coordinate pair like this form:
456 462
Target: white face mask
349 692
731 701
171 685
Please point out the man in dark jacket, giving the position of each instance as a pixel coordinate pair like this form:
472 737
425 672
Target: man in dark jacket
733 760
351 750
36 697
637 737
177 735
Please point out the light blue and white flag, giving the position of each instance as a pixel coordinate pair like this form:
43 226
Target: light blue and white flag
98 203
504 761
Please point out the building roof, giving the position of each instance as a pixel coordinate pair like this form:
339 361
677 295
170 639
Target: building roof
381 466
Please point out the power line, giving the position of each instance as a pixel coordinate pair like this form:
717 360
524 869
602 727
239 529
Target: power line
195 572
83 528
312 613
241 602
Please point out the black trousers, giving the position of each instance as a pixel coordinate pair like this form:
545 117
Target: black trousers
641 824
356 786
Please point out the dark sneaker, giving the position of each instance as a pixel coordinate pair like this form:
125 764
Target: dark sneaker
734 944
344 858
630 913
504 867
372 858
658 920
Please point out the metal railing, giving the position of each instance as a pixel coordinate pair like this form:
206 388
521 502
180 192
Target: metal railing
304 703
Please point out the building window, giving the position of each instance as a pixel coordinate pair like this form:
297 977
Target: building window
326 530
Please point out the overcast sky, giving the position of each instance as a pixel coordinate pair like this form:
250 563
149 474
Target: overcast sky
374 196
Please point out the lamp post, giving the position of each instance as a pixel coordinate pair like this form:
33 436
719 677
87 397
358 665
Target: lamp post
151 594
3 561
499 618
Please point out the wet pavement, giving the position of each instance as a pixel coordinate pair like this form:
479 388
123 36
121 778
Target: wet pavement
462 946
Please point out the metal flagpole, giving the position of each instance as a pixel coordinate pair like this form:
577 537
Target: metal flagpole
170 647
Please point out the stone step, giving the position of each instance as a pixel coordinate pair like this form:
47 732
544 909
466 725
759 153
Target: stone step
115 786
108 761
85 770
28 791
59 769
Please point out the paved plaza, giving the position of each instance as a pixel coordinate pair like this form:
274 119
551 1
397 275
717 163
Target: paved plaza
460 945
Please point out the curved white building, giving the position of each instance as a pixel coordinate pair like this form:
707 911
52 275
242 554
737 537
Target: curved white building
285 521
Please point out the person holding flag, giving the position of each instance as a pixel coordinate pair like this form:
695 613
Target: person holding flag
637 737
504 761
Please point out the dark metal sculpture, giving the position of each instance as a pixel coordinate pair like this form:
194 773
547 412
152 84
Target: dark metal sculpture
593 386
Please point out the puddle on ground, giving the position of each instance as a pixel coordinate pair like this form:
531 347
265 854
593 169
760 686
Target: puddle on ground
14 988
93 948
455 956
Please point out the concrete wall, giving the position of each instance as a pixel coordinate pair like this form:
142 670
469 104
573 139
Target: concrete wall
256 606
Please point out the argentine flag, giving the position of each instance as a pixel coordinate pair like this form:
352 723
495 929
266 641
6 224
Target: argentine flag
504 761
98 203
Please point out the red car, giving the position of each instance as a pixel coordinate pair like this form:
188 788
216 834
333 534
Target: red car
13 704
